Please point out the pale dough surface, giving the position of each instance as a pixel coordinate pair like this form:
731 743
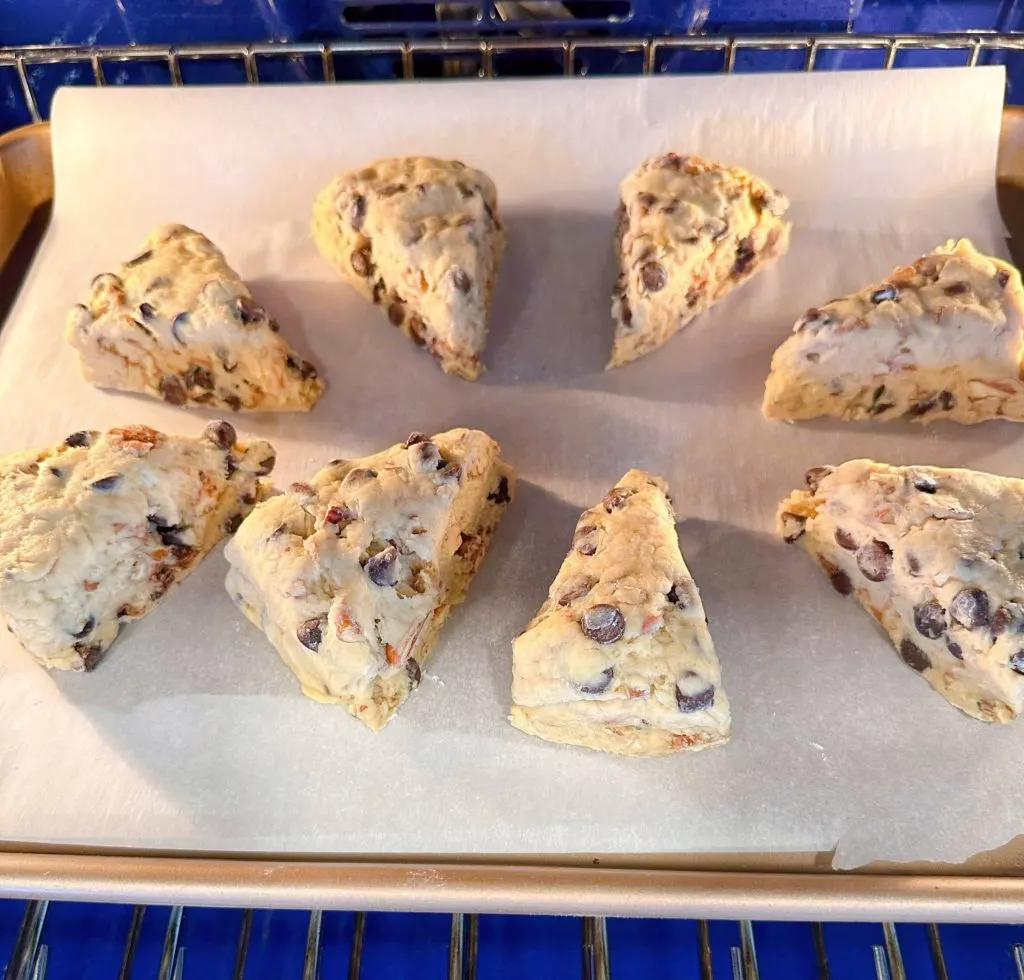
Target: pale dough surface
176 322
619 658
422 238
95 530
939 339
690 231
352 575
937 557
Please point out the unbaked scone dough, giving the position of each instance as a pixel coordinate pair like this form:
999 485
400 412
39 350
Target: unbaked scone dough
176 322
937 557
939 339
421 238
95 530
619 657
689 232
352 575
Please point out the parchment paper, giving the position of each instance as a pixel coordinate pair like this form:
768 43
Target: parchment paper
193 735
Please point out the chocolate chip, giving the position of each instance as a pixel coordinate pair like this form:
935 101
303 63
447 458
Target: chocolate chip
170 534
603 623
178 326
815 475
913 564
461 280
1006 616
148 311
913 656
839 579
57 472
879 403
600 683
140 258
425 456
222 434
615 499
91 654
947 400
793 527
87 628
585 539
379 290
925 483
357 212
79 439
944 401
970 608
106 483
845 540
233 523
956 288
576 588
172 390
1002 277
149 333
233 402
679 595
653 276
884 294
693 693
249 311
1016 662
311 633
646 200
416 326
412 668
745 255
874 560
199 377
396 313
299 366
500 494
390 190
382 568
362 263
930 619
266 465
414 438
358 475
954 648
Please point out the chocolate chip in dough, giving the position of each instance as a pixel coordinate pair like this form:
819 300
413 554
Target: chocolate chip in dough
414 438
603 623
845 540
79 439
1006 616
233 402
957 289
925 483
1016 662
382 568
222 434
745 256
913 656
679 595
106 483
425 456
839 579
357 212
884 294
600 683
396 313
461 280
311 633
793 527
653 276
930 619
178 327
1002 277
172 390
970 608
301 367
585 539
249 311
362 264
615 499
954 648
412 668
139 259
693 693
148 311
815 475
576 588
874 560
91 654
500 495
87 627
198 377
233 523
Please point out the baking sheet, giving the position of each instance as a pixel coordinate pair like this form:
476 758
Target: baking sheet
193 735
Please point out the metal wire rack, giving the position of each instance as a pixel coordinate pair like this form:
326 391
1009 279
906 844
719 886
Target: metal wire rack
30 956
482 57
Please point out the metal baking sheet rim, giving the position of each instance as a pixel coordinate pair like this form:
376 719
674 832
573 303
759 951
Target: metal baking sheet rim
988 888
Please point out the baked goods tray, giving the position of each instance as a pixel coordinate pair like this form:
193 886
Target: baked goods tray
538 870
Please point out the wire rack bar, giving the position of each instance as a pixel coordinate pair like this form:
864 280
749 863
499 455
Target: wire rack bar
973 45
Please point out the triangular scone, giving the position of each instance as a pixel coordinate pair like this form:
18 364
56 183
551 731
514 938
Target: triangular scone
619 657
939 339
177 323
352 575
935 555
96 529
689 232
421 238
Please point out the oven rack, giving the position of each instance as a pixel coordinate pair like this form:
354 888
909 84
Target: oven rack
491 58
